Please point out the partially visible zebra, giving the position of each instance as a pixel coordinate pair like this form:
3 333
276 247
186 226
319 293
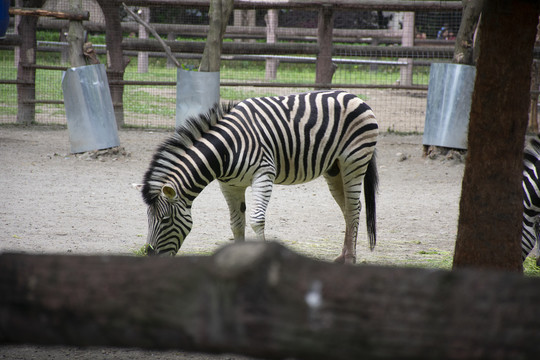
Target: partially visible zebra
259 142
531 199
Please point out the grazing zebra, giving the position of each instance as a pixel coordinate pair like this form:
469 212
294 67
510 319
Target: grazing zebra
260 142
531 199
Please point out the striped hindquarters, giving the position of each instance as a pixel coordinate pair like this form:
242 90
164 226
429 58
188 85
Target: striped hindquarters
531 196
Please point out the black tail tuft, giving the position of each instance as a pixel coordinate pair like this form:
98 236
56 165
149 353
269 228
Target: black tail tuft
371 184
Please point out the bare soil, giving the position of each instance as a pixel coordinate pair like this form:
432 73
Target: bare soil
57 202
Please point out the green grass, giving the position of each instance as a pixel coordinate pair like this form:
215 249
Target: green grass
443 260
143 251
530 268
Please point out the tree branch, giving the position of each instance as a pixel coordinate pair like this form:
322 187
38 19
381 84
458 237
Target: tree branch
153 32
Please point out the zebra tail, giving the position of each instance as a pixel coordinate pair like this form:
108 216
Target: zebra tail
371 184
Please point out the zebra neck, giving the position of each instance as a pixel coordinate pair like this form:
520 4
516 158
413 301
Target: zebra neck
192 169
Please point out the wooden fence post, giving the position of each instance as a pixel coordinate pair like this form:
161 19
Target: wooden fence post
142 57
115 59
324 68
26 73
170 64
271 19
407 40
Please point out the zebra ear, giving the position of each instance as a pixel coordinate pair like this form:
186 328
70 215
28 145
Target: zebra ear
169 192
137 186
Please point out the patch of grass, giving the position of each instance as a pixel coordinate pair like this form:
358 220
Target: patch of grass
143 251
142 102
445 259
391 130
530 268
437 259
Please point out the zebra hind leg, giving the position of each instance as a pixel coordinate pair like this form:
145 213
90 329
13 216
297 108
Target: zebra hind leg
536 248
350 210
235 197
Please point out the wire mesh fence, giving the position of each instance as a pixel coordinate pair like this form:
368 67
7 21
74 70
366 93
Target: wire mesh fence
367 56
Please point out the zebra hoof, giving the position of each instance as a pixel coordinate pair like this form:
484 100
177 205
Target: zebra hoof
345 259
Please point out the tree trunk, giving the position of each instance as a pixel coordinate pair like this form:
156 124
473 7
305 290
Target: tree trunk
261 300
491 207
76 37
220 11
464 48
115 58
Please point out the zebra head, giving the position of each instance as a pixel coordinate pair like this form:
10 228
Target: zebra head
169 222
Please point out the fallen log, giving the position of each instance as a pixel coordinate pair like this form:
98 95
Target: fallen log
262 300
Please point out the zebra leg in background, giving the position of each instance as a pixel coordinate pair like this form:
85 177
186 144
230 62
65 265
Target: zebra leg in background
263 182
235 197
536 249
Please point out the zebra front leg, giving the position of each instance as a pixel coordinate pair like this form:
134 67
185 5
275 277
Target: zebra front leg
235 197
263 182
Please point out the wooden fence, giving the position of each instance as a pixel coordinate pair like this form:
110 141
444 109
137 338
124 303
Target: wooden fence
323 49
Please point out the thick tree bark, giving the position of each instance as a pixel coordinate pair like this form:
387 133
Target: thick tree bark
262 300
491 207
220 11
464 48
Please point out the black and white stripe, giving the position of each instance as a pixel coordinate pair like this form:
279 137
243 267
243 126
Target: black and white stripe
258 143
531 198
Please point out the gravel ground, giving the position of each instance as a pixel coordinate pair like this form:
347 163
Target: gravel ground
57 202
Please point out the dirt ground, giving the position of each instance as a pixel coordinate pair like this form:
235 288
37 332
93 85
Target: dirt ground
56 202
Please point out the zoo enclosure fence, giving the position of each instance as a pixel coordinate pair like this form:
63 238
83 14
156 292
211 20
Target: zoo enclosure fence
381 52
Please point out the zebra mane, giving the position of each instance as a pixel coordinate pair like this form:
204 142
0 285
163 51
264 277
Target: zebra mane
183 138
195 126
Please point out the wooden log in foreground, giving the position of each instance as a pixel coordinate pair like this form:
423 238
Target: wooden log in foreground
262 300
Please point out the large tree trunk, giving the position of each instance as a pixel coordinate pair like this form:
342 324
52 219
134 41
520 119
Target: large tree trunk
491 207
220 11
262 300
